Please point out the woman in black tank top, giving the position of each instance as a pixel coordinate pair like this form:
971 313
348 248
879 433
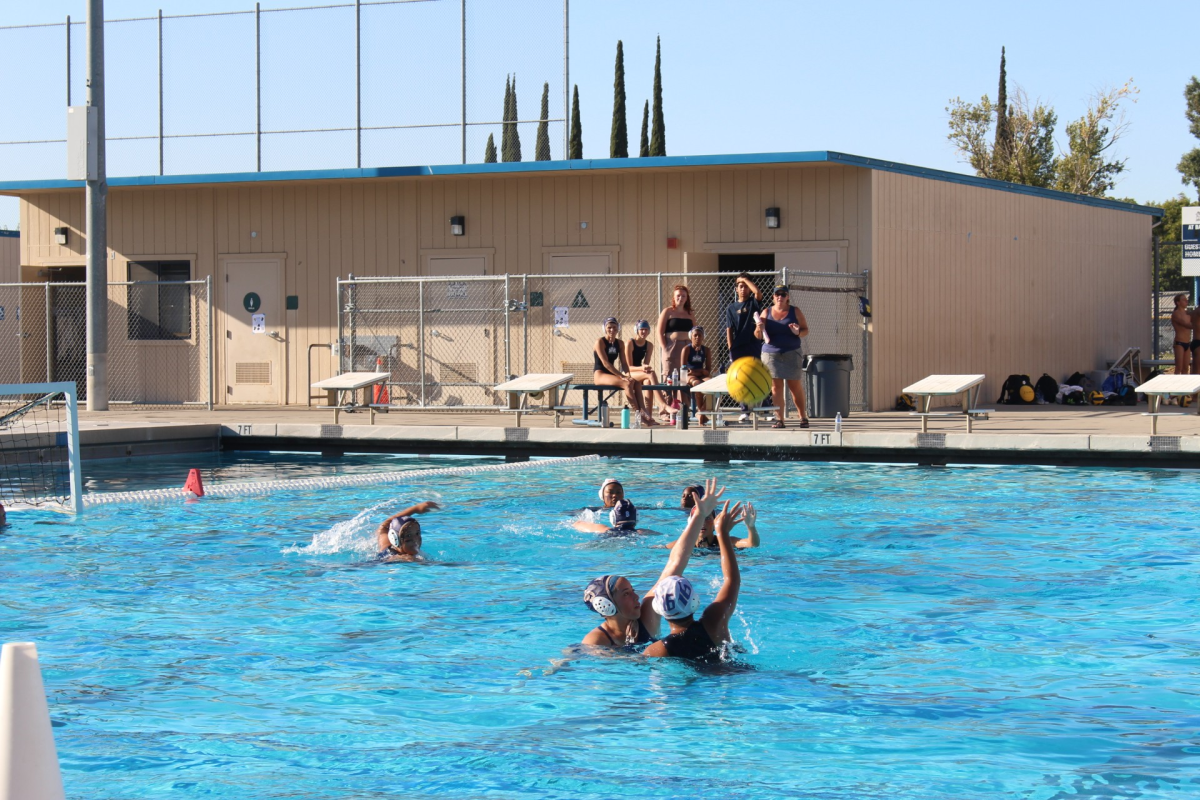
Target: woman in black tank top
673 325
697 358
639 354
608 358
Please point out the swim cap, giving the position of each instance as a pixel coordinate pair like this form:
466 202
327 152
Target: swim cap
623 516
642 325
598 595
607 481
674 597
397 525
697 329
607 320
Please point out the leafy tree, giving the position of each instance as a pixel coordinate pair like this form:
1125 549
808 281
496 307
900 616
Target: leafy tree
575 147
513 151
1170 275
644 147
618 142
1086 168
658 131
505 129
541 147
489 152
1028 156
1189 165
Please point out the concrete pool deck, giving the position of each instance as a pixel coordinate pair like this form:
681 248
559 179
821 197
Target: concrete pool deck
1053 435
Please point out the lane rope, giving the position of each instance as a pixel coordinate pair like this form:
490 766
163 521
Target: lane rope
327 482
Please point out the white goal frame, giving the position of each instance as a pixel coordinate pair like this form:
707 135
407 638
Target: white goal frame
69 391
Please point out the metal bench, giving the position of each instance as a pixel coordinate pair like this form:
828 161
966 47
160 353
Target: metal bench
947 386
337 387
1162 386
536 384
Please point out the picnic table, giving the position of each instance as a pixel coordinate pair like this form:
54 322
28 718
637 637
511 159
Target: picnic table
1162 386
933 386
350 382
718 387
535 383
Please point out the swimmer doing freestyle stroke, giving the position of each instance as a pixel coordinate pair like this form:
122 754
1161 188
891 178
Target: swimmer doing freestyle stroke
399 536
629 621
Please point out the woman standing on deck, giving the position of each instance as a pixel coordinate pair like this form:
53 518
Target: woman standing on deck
781 327
673 325
611 369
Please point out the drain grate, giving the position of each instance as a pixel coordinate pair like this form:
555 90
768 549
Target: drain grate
1164 444
716 437
516 434
331 431
931 440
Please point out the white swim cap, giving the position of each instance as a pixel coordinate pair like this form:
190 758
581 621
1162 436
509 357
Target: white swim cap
607 481
674 597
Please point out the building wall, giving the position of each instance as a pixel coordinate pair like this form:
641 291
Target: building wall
970 280
330 229
10 257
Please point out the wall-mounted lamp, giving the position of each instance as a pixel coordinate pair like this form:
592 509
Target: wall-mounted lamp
60 235
772 217
458 225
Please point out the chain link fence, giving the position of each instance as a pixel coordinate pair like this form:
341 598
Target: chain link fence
447 341
159 339
350 84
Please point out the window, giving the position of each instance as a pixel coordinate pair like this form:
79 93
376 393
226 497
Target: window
160 304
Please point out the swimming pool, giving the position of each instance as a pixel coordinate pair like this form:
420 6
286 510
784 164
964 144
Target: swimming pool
907 633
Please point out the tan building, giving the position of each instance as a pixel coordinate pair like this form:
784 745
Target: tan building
10 256
964 274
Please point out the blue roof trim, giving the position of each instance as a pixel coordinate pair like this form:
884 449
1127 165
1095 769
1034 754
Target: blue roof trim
532 167
10 234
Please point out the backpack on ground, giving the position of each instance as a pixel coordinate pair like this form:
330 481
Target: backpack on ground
1011 393
1074 397
1113 383
1047 387
1079 379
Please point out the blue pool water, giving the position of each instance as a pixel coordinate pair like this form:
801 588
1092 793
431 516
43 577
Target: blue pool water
906 633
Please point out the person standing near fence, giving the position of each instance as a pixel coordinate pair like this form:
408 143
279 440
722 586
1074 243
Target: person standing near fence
1181 321
739 325
674 324
780 328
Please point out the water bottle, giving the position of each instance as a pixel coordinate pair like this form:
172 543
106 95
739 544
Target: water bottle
837 423
602 415
683 374
625 417
675 377
637 421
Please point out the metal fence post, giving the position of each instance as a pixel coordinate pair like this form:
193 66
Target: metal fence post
69 59
258 87
160 94
421 336
1154 321
525 323
351 300
340 304
358 82
463 26
566 78
208 299
49 377
507 306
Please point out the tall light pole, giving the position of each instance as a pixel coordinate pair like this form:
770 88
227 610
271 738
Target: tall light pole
97 222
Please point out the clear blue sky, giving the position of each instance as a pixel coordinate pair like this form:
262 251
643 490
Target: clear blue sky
869 78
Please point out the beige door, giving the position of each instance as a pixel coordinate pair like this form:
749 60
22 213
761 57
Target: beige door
254 330
587 300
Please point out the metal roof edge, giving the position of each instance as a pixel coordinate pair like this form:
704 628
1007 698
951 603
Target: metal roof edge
988 183
10 234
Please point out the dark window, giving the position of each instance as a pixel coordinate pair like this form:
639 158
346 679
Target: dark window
159 304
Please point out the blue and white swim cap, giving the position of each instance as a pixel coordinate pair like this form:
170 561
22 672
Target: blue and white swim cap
598 595
623 516
674 598
394 528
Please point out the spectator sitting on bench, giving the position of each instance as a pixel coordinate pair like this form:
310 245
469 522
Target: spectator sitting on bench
698 360
611 369
639 354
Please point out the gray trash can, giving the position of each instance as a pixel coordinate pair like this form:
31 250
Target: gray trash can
827 384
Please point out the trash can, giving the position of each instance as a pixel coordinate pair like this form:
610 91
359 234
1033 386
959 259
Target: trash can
827 384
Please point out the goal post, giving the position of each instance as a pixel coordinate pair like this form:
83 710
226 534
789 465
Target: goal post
39 445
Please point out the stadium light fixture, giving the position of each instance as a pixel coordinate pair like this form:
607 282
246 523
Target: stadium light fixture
458 225
773 217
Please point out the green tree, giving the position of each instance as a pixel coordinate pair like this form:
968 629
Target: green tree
513 152
575 147
541 147
489 152
1170 275
1028 155
1189 165
658 131
505 129
1003 146
644 147
618 141
1087 167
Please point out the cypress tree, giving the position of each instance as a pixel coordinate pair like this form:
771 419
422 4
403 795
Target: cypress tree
541 148
658 133
618 143
505 129
1003 147
489 152
575 148
512 121
644 147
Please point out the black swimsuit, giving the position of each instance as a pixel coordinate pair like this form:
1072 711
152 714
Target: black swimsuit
643 635
698 357
639 354
612 350
693 644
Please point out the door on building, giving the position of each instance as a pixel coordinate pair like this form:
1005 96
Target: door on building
254 330
730 266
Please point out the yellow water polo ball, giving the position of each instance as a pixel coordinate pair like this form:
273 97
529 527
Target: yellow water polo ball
748 381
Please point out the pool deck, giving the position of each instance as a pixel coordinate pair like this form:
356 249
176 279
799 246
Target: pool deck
1050 435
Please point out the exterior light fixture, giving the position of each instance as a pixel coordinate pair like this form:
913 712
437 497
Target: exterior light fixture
60 235
773 217
458 225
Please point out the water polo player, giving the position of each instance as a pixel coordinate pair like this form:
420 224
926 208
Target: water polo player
676 599
399 536
622 519
628 621
707 539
